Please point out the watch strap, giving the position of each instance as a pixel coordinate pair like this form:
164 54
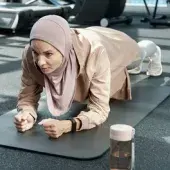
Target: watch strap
74 125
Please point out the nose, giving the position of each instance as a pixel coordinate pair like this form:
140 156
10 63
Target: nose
41 61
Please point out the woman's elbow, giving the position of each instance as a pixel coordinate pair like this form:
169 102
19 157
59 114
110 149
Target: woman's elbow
105 116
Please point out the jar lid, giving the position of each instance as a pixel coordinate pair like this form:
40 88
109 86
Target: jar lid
122 132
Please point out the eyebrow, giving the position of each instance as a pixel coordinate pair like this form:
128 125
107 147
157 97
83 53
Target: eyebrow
47 51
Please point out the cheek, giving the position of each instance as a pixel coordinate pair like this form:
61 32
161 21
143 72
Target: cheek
53 63
56 61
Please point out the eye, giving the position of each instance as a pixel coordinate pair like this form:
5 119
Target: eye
48 54
34 53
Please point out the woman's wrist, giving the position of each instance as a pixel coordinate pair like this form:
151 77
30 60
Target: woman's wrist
77 123
68 125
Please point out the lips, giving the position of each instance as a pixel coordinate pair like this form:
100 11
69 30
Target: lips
44 69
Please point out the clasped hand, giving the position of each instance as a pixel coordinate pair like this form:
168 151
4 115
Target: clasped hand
52 127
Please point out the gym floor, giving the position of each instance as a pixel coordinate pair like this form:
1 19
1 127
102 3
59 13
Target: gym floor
150 2
152 134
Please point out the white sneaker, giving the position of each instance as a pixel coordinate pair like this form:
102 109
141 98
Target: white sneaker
142 54
155 65
136 70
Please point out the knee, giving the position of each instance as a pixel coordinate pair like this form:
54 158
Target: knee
148 46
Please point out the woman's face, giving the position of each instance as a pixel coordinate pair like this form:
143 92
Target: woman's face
46 56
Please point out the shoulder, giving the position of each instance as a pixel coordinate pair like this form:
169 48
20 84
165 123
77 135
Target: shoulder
98 61
102 60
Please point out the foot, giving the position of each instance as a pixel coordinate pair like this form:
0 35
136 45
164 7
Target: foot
155 65
136 70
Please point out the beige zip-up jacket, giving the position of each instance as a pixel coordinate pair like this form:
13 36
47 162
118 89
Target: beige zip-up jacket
103 55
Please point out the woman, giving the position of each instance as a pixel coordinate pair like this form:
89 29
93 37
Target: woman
75 65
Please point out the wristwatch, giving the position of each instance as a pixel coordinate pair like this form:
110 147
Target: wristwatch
74 124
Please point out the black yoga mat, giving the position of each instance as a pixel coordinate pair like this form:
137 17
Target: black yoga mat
86 144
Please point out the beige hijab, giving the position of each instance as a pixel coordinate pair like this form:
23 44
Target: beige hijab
60 84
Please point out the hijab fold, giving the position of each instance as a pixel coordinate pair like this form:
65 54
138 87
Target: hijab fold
60 84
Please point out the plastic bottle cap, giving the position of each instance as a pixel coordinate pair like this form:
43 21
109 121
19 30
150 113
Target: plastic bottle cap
122 132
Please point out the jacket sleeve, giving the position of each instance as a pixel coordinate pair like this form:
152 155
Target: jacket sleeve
30 90
99 95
